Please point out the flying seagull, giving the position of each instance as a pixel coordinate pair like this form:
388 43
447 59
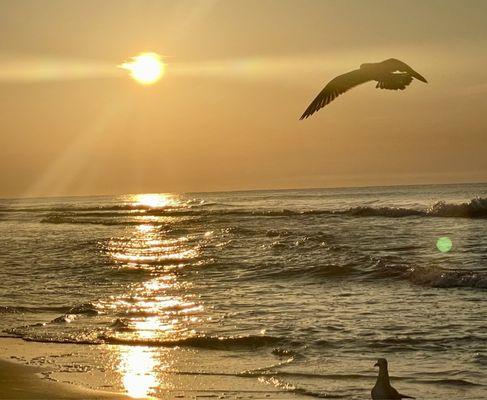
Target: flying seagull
383 389
390 74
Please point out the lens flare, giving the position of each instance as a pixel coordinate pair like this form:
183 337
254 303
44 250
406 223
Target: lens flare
444 244
146 68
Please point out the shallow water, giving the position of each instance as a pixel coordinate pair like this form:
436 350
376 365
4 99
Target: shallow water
298 290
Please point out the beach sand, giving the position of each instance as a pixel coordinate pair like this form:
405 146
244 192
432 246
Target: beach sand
31 370
24 382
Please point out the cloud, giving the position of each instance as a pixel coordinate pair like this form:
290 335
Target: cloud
41 69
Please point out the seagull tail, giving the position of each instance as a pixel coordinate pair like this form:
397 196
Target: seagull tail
403 396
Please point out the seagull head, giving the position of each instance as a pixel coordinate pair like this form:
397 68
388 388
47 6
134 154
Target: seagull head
381 363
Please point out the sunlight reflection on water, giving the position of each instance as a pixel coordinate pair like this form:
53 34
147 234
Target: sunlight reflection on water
155 200
157 309
137 368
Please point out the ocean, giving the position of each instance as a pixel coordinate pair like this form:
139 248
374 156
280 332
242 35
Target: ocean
292 292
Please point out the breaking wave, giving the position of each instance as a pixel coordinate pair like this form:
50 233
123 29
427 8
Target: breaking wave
435 276
203 341
248 342
127 215
475 208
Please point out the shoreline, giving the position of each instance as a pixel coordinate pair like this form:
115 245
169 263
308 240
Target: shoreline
19 381
36 370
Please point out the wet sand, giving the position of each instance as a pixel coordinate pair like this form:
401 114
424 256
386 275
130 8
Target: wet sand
31 370
23 382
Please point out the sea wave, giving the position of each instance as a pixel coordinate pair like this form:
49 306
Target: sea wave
64 319
84 309
73 220
399 343
22 310
105 208
201 341
288 387
450 382
248 342
278 271
390 212
435 276
475 208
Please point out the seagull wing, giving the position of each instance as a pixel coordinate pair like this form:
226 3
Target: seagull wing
335 88
393 65
396 395
395 81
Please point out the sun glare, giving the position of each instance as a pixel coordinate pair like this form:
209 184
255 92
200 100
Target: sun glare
146 68
138 366
155 200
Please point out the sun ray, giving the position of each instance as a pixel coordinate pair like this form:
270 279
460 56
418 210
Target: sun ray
29 69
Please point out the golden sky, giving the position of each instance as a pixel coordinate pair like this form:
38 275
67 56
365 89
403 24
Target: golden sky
226 113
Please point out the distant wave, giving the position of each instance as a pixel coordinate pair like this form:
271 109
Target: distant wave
273 377
480 358
21 310
311 393
277 378
277 382
203 341
450 382
406 343
64 319
314 271
364 268
116 208
85 309
207 342
61 219
448 279
11 310
436 277
310 375
475 208
391 212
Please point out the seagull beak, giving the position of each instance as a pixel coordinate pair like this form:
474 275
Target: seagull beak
376 364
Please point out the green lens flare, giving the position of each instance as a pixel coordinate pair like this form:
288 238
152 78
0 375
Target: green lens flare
444 244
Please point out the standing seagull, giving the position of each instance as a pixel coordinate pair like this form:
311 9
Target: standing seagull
383 389
390 74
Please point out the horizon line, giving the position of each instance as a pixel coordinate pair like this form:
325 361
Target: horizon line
245 190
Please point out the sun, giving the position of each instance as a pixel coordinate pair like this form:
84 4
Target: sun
145 68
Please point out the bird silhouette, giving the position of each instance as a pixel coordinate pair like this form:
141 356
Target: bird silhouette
390 74
383 389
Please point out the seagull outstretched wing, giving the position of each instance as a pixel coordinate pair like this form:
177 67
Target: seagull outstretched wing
335 88
395 81
390 74
393 64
